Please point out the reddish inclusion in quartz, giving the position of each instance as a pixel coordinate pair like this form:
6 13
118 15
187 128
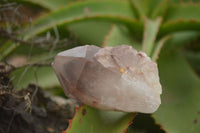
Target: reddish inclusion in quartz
111 78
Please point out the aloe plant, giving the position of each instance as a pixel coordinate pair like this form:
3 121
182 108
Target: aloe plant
164 29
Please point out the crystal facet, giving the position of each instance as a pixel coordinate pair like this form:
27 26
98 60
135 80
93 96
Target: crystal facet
111 78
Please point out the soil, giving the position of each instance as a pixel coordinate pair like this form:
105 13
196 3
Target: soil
31 110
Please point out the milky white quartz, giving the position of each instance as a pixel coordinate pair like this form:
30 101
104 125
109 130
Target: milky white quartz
111 78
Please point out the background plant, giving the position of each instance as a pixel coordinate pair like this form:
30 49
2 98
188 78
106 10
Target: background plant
167 30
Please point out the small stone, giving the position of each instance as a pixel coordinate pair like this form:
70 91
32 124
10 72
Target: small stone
111 78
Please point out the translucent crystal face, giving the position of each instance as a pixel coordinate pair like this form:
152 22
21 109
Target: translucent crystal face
111 78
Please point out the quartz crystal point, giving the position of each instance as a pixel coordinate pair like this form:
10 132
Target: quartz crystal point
111 78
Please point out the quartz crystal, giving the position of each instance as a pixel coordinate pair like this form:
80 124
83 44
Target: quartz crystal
110 78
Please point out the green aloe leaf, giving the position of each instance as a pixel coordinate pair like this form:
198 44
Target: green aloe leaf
118 35
112 11
194 59
117 11
160 9
179 40
139 8
145 8
179 111
158 47
91 120
150 33
49 4
178 26
182 12
43 76
185 1
92 35
181 17
153 5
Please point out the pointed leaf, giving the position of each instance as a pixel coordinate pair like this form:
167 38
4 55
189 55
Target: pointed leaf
150 32
194 59
145 8
104 10
158 47
138 8
50 4
119 35
94 35
182 12
160 9
181 17
178 40
91 120
153 5
179 26
179 111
